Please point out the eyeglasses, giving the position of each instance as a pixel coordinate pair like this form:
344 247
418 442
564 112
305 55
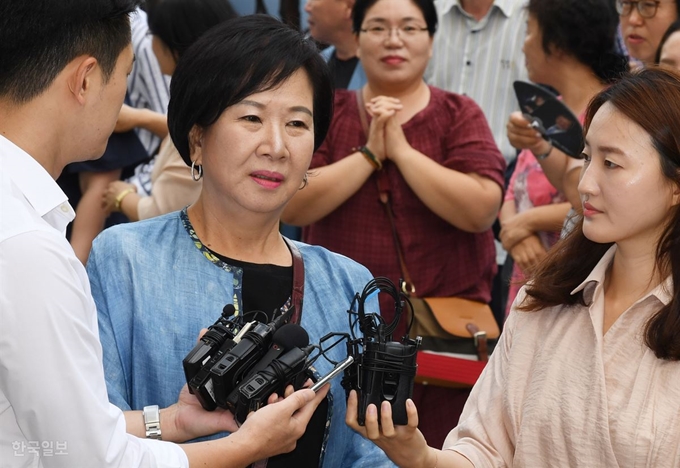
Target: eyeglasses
646 9
403 32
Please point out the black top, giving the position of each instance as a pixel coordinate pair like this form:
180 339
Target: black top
342 70
267 287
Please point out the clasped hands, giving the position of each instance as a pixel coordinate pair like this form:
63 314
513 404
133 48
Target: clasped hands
386 138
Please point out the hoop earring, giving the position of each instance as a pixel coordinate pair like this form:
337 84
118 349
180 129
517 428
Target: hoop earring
304 182
194 168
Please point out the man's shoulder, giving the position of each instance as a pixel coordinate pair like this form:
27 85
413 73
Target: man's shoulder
17 216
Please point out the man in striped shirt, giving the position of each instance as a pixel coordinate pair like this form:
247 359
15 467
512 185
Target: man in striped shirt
477 52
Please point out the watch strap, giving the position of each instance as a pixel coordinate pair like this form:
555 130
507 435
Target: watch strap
152 422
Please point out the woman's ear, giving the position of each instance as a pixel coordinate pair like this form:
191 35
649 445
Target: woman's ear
676 191
196 144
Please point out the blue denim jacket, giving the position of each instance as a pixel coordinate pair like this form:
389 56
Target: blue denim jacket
155 289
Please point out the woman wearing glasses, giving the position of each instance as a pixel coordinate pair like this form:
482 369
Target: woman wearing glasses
643 23
435 154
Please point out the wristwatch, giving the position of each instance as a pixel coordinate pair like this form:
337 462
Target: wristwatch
152 422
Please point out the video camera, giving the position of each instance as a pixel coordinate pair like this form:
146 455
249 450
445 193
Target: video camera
383 369
237 365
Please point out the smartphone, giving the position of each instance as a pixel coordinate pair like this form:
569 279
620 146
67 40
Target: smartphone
333 373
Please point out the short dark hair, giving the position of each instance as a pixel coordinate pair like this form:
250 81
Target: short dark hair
426 7
38 38
235 59
585 29
673 28
178 23
651 99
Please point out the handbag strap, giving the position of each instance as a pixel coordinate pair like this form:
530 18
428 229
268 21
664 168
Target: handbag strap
298 280
383 182
296 299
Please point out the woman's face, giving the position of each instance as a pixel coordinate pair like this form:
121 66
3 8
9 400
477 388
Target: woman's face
537 61
256 154
643 35
625 196
670 53
394 45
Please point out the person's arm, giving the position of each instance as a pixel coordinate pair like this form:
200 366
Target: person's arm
404 445
561 170
468 201
528 252
123 197
271 430
51 370
484 436
52 376
332 184
518 226
172 187
131 117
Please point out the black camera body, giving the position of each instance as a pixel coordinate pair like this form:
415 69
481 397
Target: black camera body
387 373
234 354
228 372
289 369
383 369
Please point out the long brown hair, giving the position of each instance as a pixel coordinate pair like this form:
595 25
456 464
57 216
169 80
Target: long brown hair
650 98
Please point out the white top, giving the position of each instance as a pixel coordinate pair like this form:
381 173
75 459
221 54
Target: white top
557 393
481 59
148 87
54 409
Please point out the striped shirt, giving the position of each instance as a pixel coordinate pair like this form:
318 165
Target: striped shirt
148 88
481 59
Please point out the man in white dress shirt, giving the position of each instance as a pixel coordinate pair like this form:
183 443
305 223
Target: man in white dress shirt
63 69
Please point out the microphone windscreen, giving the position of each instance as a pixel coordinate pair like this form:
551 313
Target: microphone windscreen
290 336
228 310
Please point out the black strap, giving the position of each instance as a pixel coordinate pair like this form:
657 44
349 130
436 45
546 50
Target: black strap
296 296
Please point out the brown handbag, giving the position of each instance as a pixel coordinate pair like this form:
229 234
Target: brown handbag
446 324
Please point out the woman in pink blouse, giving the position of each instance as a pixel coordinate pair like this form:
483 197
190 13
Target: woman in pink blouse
587 369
